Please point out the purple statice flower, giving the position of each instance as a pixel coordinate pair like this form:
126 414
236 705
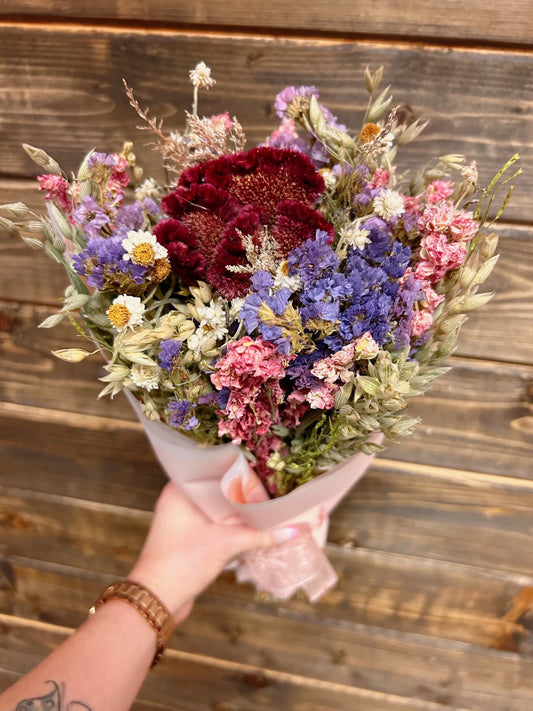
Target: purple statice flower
313 259
102 262
409 220
222 397
208 398
261 282
324 311
180 414
168 354
333 287
373 274
409 293
250 312
286 136
319 155
128 217
90 216
300 370
109 160
277 302
397 261
151 207
285 96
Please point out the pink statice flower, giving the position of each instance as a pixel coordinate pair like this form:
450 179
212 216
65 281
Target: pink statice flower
439 257
422 320
221 121
322 398
382 178
438 190
431 298
57 191
293 412
251 370
437 218
243 419
463 226
335 367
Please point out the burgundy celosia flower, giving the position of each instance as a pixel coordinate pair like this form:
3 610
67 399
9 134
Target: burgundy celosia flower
262 191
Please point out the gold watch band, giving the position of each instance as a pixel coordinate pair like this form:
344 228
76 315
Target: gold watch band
147 604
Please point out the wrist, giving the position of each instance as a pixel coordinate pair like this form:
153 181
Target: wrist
171 597
145 603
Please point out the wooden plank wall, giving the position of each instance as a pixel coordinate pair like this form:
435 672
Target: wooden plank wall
434 548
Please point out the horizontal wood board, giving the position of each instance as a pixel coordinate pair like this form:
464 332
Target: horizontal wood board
451 20
502 680
478 416
432 547
67 101
376 588
502 330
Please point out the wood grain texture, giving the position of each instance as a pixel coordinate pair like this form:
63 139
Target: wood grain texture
479 522
389 591
432 547
420 672
449 20
502 330
67 100
477 417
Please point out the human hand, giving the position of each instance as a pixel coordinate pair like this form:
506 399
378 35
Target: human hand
184 550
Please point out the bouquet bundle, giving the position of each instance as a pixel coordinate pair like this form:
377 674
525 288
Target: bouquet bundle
288 299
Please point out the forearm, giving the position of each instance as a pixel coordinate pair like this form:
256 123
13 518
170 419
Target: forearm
101 667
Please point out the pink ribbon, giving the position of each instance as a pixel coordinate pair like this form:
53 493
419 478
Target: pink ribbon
219 480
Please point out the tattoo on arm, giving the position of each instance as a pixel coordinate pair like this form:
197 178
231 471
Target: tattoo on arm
54 701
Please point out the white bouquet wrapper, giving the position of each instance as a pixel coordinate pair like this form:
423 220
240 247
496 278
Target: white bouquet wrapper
219 480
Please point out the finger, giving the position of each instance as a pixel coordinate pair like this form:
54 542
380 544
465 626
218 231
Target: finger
239 539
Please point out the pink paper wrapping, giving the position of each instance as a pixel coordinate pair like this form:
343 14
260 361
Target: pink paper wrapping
219 480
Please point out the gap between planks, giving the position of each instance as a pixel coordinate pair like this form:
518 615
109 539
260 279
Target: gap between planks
100 423
238 667
429 44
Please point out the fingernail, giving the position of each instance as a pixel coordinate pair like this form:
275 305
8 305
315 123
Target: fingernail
281 535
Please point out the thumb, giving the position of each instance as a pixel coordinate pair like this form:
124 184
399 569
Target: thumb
246 538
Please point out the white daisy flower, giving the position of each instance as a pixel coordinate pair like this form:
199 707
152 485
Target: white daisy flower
200 341
126 312
213 318
201 77
282 280
145 376
143 248
389 204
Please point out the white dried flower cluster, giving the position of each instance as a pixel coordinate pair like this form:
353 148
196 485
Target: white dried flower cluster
213 318
148 189
389 204
145 376
201 77
354 236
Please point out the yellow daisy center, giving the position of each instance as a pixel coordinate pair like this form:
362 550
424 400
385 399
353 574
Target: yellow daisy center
143 254
119 315
368 132
160 270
